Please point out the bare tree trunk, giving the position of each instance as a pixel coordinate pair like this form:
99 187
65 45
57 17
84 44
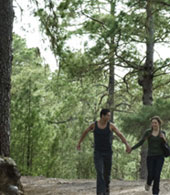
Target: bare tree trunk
29 133
6 22
146 74
110 100
111 85
9 174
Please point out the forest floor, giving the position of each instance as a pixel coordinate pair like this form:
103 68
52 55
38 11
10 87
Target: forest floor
54 186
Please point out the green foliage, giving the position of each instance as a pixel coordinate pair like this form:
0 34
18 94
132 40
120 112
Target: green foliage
125 166
135 122
29 81
49 111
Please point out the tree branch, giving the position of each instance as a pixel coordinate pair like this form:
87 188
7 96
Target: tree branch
101 98
162 3
157 69
162 84
94 19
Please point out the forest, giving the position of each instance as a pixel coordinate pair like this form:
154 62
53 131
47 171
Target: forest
118 65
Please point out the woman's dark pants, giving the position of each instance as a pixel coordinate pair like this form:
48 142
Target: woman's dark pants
103 164
154 166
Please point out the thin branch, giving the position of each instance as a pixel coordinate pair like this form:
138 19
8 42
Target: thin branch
137 41
127 62
101 98
162 3
126 82
157 69
101 85
161 85
94 19
125 104
124 111
21 9
158 75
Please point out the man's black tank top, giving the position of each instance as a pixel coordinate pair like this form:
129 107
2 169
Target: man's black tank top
103 138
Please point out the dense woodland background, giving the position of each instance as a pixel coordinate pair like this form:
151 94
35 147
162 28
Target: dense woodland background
49 110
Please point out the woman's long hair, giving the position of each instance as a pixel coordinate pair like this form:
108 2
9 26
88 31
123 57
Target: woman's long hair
159 121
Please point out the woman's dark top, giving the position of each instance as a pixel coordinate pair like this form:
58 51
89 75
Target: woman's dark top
103 138
154 143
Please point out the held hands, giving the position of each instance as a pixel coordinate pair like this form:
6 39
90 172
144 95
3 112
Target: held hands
78 146
128 149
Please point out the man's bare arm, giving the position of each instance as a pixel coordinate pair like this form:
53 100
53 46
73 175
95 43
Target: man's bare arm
90 128
120 135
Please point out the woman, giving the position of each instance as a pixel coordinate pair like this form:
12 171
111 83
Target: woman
155 156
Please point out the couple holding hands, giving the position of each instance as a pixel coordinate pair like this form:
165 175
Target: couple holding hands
103 136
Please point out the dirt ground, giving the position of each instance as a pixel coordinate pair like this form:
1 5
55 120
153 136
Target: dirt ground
53 186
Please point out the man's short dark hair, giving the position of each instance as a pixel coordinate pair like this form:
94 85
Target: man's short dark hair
104 111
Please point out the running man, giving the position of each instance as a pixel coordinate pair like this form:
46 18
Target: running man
103 136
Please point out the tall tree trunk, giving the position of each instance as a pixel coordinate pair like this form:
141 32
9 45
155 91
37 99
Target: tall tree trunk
6 24
146 75
111 85
29 133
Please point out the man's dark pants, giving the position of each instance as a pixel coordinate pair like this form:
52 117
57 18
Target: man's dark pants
103 164
154 166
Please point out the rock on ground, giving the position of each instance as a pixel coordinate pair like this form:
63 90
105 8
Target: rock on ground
9 177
